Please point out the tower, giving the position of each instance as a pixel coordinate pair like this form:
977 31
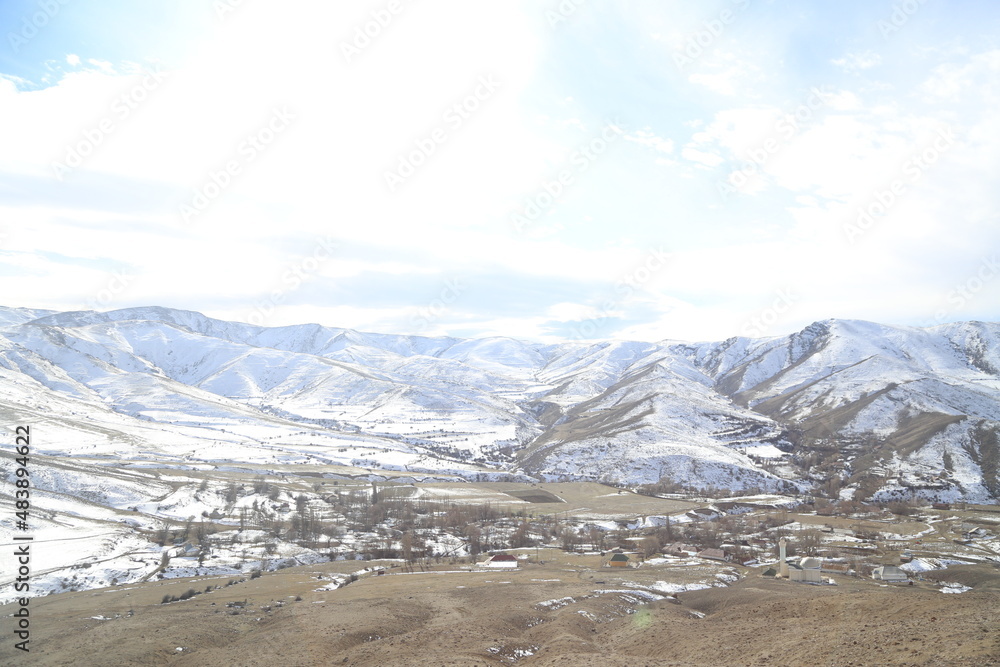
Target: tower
782 565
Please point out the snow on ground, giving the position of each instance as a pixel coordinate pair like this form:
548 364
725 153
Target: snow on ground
670 588
673 561
767 451
954 588
639 595
924 564
653 521
761 499
79 554
558 603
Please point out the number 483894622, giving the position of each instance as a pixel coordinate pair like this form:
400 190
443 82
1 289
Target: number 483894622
23 494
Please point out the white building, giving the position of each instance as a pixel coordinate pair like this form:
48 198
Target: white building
503 561
889 573
807 570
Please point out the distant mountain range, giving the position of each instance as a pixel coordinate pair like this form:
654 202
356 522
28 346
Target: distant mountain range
842 407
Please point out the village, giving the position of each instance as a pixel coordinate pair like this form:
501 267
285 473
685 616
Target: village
502 573
804 545
508 525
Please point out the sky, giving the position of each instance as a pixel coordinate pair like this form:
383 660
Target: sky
545 170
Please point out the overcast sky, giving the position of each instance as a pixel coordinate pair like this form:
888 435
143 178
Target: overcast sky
542 170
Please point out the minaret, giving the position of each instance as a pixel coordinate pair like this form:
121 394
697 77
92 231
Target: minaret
782 565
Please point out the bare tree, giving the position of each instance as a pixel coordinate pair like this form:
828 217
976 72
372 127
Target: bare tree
650 546
406 544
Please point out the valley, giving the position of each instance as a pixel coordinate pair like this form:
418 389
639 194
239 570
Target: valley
177 456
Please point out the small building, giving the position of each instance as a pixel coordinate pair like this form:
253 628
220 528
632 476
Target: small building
715 554
618 560
941 506
806 570
680 549
809 575
889 573
502 561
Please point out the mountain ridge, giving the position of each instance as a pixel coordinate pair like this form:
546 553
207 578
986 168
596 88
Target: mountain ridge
856 408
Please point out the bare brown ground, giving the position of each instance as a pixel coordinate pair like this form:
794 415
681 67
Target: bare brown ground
493 618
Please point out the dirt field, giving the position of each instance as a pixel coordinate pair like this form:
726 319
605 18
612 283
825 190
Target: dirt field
569 611
585 499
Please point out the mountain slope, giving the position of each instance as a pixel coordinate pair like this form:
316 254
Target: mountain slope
843 406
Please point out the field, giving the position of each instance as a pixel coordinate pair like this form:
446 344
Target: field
569 611
579 499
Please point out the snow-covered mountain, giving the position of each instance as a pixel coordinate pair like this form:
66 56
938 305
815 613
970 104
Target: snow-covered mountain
842 406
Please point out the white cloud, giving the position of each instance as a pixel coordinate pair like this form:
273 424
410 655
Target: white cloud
572 312
853 62
723 83
324 174
727 73
647 138
102 65
977 75
701 157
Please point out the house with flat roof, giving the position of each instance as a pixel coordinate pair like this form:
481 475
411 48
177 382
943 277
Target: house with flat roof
889 573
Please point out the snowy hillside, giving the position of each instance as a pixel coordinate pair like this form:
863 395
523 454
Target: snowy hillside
852 407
